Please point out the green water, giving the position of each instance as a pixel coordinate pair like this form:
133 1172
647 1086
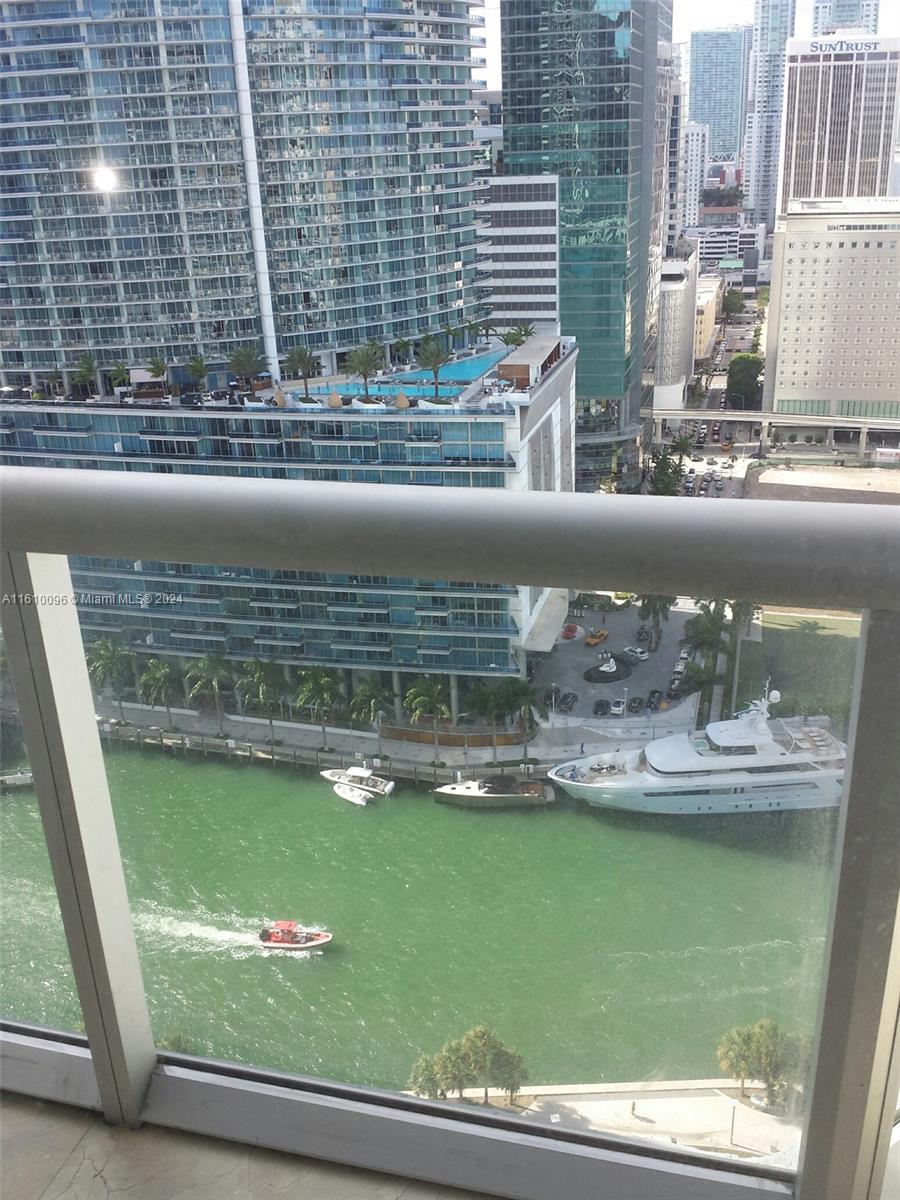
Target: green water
601 946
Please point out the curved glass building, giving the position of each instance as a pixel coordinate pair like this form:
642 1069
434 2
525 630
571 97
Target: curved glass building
275 172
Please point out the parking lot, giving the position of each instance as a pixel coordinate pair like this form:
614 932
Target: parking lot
569 659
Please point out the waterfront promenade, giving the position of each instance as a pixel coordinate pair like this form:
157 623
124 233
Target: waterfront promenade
697 1114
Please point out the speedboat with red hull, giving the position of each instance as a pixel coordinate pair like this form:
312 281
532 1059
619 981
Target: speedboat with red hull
289 935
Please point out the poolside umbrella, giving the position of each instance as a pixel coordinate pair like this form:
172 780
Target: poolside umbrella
401 400
334 400
279 397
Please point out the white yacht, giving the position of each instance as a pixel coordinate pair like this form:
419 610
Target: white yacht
754 763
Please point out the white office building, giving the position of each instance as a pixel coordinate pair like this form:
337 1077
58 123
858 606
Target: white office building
717 242
829 15
834 315
773 24
694 156
523 250
675 344
841 113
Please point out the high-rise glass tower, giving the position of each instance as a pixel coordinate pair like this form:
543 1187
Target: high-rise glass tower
275 173
720 63
829 15
773 24
580 101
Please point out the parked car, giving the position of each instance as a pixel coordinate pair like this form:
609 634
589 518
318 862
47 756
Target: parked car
653 700
567 702
720 485
601 708
674 689
636 704
679 669
569 631
684 655
617 708
696 458
596 636
636 653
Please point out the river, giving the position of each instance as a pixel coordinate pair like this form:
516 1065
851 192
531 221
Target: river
601 946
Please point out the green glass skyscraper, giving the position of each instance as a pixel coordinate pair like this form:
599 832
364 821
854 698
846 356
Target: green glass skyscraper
581 100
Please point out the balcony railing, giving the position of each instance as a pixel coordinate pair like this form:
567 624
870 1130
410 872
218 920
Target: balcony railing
790 553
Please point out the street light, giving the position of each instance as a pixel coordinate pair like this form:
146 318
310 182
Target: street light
625 713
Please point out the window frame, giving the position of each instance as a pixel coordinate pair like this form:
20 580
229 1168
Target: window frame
848 561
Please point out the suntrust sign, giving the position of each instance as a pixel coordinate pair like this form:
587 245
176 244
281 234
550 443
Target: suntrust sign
840 47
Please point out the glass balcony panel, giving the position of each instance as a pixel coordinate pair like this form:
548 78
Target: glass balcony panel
677 927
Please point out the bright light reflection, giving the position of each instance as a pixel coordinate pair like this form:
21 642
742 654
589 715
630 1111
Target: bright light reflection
105 179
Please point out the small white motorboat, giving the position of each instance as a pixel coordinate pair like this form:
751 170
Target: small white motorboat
354 795
360 777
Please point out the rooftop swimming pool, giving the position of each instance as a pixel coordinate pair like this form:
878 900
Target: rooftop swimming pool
413 383
464 370
380 390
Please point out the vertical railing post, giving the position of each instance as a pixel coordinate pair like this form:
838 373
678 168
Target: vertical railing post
854 1091
56 708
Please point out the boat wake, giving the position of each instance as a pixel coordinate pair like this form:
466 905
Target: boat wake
157 928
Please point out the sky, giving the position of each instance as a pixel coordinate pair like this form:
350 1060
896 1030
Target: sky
689 15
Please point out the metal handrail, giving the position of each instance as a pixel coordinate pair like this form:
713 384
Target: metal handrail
787 552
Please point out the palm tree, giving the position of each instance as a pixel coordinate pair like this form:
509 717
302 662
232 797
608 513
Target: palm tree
473 329
682 445
481 1045
401 348
512 337
119 375
245 363
452 1067
320 692
699 678
431 356
265 684
197 368
158 368
509 1071
110 663
655 609
364 361
742 613
737 1053
209 675
704 631
370 702
423 1079
428 698
525 329
86 370
516 698
302 363
486 700
159 685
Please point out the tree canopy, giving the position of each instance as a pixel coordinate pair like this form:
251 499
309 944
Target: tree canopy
479 1058
744 371
766 1051
733 303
